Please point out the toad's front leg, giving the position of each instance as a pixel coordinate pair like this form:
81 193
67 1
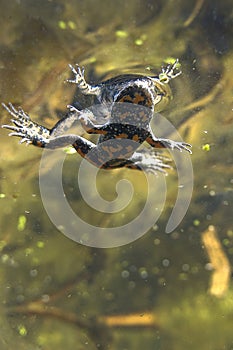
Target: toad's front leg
84 116
80 80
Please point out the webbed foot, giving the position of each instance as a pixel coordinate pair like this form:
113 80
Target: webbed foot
78 75
168 72
79 79
150 162
24 127
176 145
84 116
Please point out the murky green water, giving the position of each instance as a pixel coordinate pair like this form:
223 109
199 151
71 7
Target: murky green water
163 291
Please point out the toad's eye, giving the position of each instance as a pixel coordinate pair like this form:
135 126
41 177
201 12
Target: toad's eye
159 96
163 95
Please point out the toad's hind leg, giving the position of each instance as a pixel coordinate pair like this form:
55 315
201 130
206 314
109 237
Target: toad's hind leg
81 145
29 131
166 143
143 160
149 162
38 135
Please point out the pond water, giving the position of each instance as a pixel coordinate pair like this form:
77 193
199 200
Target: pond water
164 289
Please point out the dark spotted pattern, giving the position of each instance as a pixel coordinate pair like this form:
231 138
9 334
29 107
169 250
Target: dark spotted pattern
133 100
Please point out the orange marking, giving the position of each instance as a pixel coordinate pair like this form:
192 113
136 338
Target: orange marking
144 116
121 136
135 138
115 149
109 150
40 144
96 131
83 155
153 143
105 148
102 132
129 148
126 98
124 115
138 98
